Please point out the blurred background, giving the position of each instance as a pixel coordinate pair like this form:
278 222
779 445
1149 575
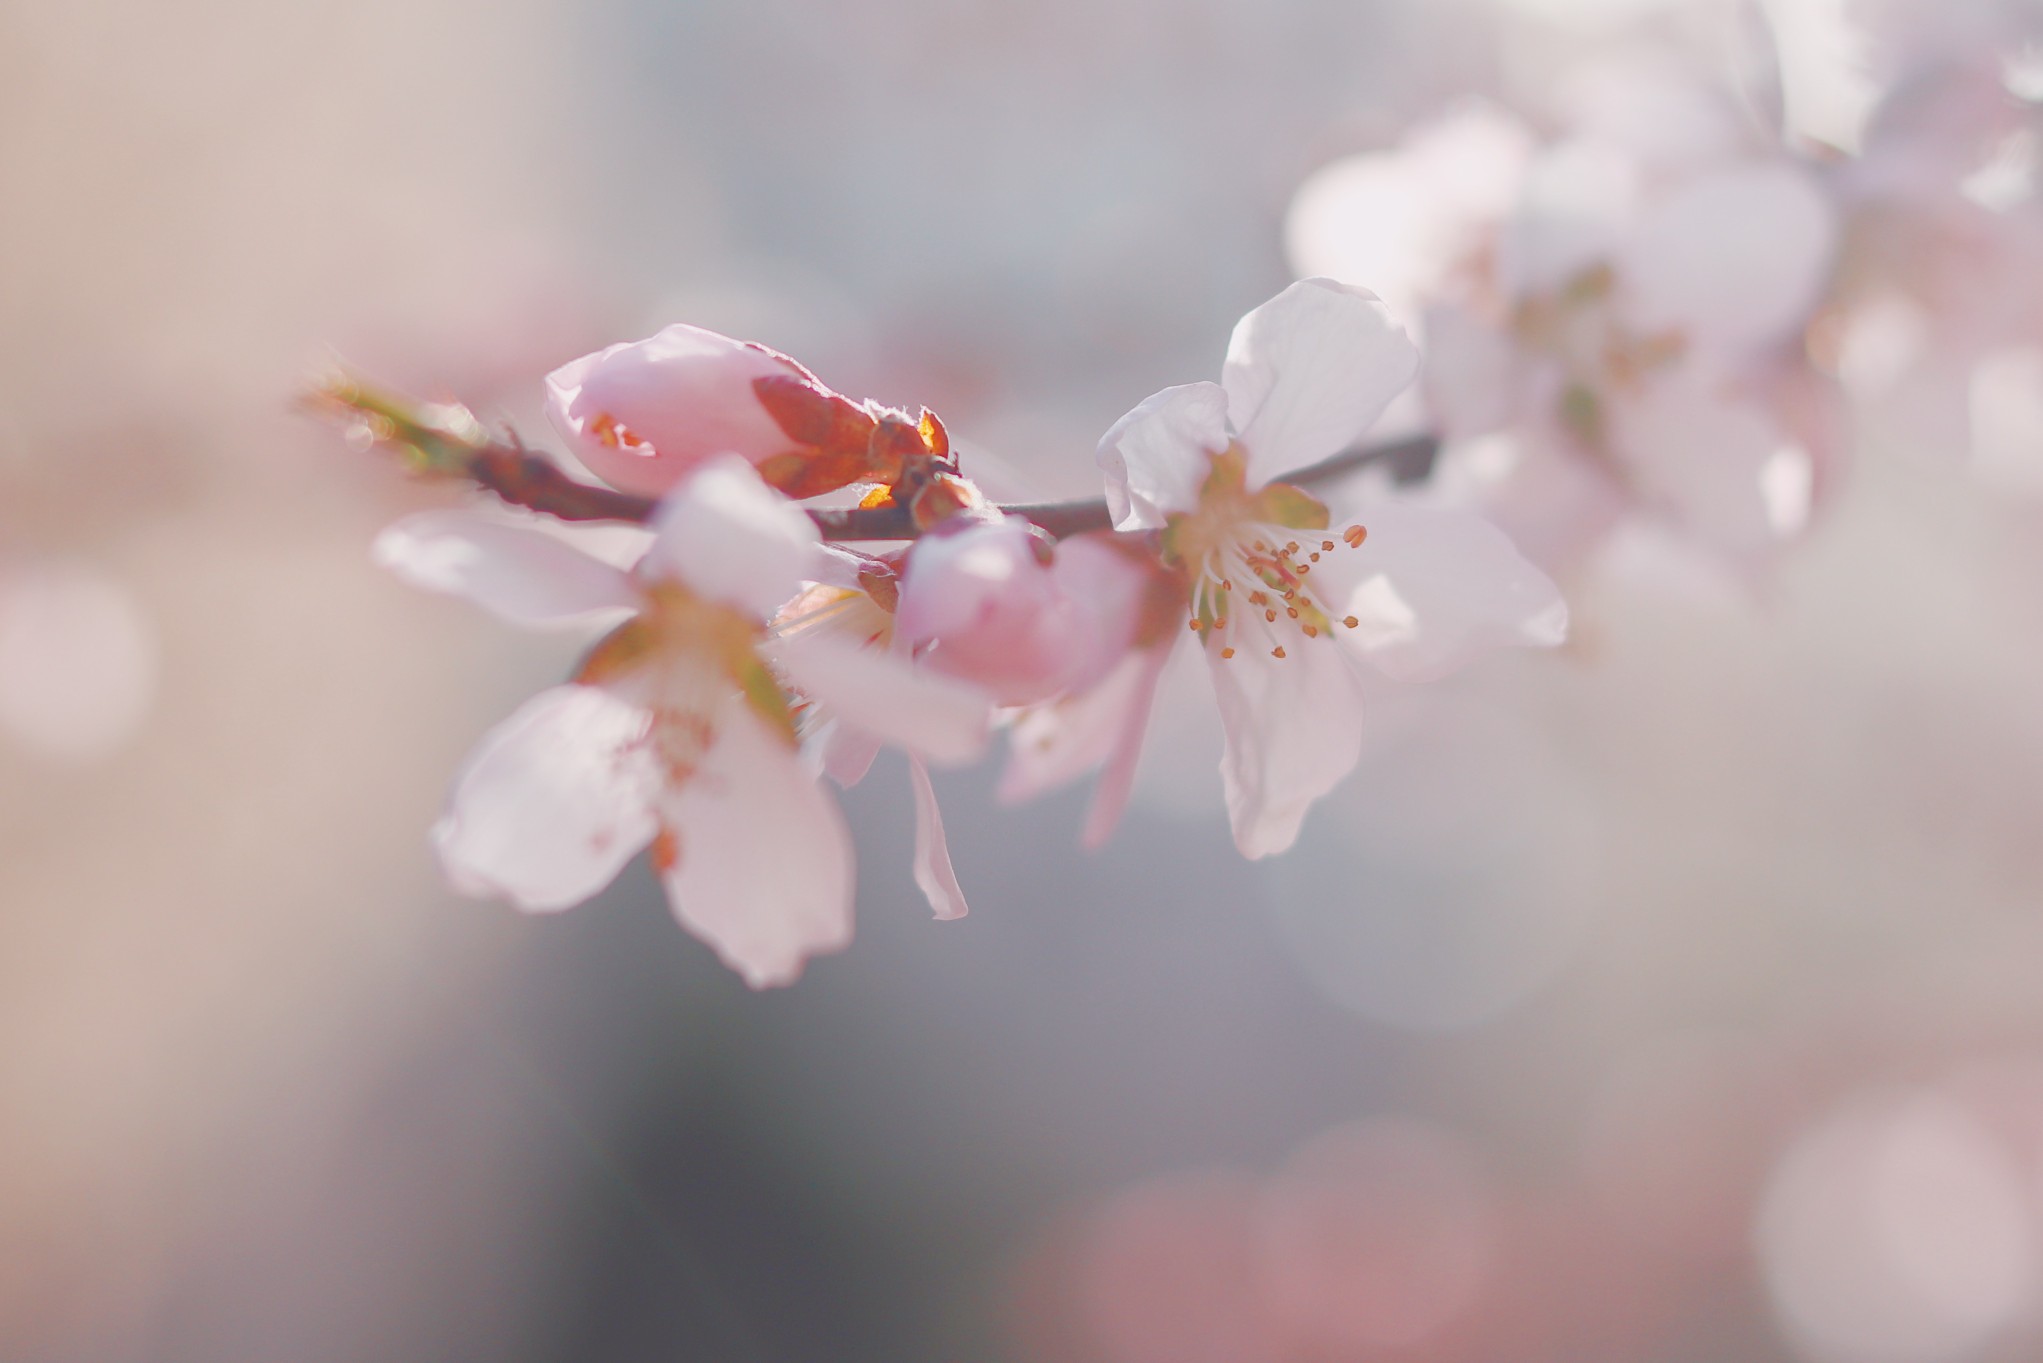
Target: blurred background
1676 998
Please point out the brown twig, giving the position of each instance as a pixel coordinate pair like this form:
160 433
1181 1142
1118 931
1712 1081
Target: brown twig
447 441
528 480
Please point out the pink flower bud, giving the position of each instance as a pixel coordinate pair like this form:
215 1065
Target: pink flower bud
643 414
997 603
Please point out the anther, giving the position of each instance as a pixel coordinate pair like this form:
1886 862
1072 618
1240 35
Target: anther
1351 622
1354 535
1291 611
1326 546
1315 558
1227 653
1277 652
1269 616
1312 631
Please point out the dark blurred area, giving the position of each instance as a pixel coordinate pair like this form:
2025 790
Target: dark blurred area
1675 998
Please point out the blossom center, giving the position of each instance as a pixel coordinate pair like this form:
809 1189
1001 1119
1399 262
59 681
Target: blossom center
1247 566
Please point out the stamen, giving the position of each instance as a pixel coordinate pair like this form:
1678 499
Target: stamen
1326 546
1312 631
1270 617
1354 535
1227 653
1277 652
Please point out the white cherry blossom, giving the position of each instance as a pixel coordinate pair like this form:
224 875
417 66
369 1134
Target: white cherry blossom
1290 595
675 735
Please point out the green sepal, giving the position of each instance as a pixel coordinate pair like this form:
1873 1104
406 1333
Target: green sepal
1291 507
763 694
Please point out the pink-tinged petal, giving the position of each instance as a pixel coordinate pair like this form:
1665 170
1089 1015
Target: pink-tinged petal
518 574
933 873
1117 778
847 753
642 415
1310 371
760 863
1733 258
1431 587
553 803
1157 457
1716 466
728 537
1112 589
1294 730
1052 745
998 605
885 694
1475 379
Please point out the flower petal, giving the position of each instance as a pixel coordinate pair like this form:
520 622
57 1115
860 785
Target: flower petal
762 863
1157 457
1310 371
552 804
680 397
933 873
1431 587
1051 745
1294 729
887 695
1475 378
727 536
847 754
1580 200
1719 467
521 575
1734 258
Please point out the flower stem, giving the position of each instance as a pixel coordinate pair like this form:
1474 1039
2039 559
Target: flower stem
448 441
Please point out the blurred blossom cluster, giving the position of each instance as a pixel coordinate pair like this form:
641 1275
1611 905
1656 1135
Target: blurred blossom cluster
1658 381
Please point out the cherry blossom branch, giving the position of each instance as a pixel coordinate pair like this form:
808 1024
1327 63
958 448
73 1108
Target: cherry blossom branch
524 479
1407 459
447 441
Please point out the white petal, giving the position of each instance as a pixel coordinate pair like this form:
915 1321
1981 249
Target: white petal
553 803
933 873
1431 587
1474 381
1709 462
762 869
1310 371
1400 221
517 574
1734 258
727 536
1580 198
886 695
1156 457
1294 729
1532 483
